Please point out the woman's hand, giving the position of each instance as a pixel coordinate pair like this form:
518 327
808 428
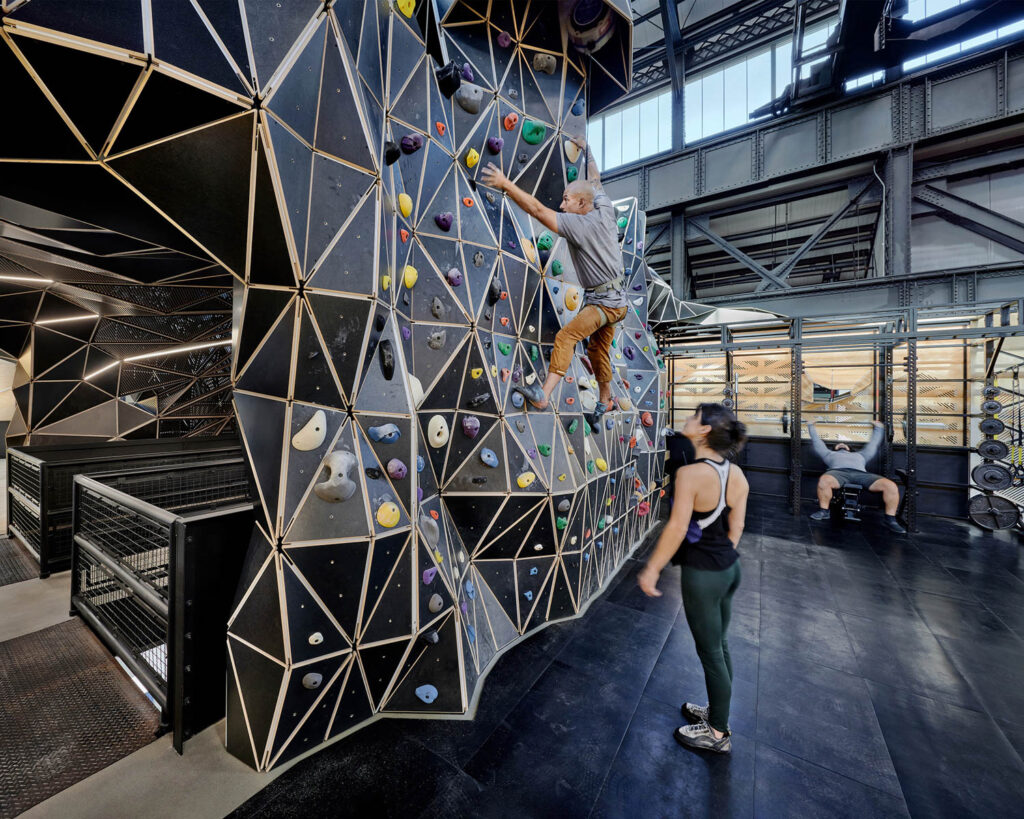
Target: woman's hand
493 177
647 580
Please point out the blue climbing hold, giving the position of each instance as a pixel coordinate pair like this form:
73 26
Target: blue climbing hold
427 693
489 458
615 530
533 571
579 107
586 555
609 423
384 434
600 544
470 590
471 633
528 595
420 463
517 400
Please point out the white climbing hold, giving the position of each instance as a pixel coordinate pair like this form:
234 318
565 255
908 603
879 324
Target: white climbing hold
312 433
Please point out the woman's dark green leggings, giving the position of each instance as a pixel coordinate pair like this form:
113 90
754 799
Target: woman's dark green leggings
707 600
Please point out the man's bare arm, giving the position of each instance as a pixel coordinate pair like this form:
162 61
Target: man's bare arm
494 178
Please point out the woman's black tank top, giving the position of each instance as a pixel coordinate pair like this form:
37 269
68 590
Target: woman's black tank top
707 544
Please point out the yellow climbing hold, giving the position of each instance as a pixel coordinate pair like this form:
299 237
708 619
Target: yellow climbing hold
494 371
472 157
525 479
407 7
561 477
601 464
531 255
405 204
388 514
572 151
476 372
572 298
438 557
410 275
385 282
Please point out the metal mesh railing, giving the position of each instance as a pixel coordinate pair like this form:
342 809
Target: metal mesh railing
24 476
26 522
140 631
187 488
139 543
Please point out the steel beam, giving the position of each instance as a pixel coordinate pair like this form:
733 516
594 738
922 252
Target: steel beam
784 269
995 226
676 69
680 279
699 226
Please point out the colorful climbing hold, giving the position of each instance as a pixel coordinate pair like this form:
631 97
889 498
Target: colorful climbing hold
470 426
454 277
429 575
427 693
410 275
511 120
572 298
572 173
437 431
384 433
601 464
545 241
573 425
504 39
534 132
405 204
557 268
444 220
545 449
388 514
495 144
488 458
411 143
472 157
476 372
525 479
397 469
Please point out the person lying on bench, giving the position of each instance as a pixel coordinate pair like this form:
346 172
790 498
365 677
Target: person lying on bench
846 467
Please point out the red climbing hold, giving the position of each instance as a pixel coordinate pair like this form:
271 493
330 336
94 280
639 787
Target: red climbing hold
441 128
404 234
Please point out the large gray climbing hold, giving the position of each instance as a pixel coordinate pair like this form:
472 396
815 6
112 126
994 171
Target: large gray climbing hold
545 62
437 308
338 485
435 604
430 530
427 693
436 340
312 680
564 505
470 97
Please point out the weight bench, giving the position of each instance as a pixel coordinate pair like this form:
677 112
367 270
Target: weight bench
847 501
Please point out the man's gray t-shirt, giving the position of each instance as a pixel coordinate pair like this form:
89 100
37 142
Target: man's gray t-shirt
593 240
838 459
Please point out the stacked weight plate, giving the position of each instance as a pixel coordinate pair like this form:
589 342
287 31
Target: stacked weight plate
992 475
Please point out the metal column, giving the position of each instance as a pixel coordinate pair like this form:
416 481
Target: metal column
680 274
885 405
796 369
676 69
910 507
899 179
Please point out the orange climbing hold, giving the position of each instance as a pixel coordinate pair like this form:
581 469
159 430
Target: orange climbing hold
441 128
434 514
467 201
404 234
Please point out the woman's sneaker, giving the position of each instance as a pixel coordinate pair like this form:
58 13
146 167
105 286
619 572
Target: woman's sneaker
698 713
700 737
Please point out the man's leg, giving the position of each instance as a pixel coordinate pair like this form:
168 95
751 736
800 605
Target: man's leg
586 322
827 484
890 494
599 351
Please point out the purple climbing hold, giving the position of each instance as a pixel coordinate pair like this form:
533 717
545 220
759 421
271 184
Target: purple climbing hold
467 73
532 453
504 39
511 244
411 143
419 494
397 469
463 607
429 575
517 374
444 220
454 277
628 352
495 144
638 287
470 426
406 333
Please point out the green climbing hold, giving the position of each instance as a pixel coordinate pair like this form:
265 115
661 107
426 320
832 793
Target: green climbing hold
590 467
533 132
623 221
614 344
600 524
561 523
545 241
534 352
544 449
504 347
573 425
556 267
586 430
661 404
572 173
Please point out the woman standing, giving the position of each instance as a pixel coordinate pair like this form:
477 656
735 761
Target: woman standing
704 544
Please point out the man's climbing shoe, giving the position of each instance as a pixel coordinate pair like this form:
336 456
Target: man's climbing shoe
701 738
893 525
533 393
821 514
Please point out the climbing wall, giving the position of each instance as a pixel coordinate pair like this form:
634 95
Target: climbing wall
416 521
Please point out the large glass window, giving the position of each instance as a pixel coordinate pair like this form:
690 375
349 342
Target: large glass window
633 132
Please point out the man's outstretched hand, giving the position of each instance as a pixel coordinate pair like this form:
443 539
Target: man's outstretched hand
493 177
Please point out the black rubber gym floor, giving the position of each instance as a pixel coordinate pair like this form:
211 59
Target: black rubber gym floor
875 675
15 563
67 710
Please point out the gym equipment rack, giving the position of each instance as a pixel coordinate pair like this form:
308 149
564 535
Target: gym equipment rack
156 558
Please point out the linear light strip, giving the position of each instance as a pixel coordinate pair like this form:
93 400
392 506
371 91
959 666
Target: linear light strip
158 354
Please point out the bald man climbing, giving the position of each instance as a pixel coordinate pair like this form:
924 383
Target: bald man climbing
587 222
